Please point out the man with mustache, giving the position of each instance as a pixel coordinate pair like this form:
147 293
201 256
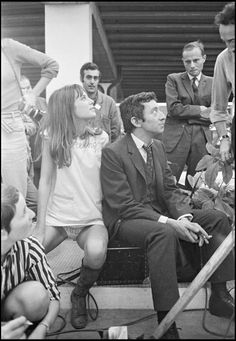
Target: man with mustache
108 117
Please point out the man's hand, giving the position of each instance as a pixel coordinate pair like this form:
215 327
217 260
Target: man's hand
225 149
14 329
30 99
189 231
205 112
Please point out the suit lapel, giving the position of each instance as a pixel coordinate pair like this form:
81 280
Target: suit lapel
187 84
135 156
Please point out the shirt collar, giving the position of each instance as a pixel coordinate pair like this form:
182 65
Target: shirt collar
139 143
198 77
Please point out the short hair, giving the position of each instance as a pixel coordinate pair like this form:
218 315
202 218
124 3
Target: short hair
194 44
227 15
9 198
89 66
132 106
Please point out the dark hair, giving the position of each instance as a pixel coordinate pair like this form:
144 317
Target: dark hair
9 198
132 107
194 44
227 15
88 66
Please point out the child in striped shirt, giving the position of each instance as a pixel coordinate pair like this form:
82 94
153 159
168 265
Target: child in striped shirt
28 286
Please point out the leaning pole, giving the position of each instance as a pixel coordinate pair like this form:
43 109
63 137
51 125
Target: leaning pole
216 259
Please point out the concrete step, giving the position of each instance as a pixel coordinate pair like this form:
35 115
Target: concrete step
129 297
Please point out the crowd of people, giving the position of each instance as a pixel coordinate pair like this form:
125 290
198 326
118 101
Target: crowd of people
68 171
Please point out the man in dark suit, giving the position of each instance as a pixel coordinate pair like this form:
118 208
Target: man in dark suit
188 99
142 205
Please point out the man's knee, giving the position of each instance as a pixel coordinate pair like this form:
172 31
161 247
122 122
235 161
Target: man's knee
164 233
30 299
221 219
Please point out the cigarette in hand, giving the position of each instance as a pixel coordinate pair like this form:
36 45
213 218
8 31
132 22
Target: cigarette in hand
28 323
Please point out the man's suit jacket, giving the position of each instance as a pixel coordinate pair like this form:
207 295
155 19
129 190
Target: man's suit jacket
181 112
124 184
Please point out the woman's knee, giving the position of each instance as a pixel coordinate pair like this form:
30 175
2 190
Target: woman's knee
30 299
96 250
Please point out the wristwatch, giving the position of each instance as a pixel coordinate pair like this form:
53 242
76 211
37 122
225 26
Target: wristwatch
224 137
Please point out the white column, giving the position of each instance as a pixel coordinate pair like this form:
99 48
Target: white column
68 39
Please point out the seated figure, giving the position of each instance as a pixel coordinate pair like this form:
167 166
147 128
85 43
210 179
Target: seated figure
28 287
143 205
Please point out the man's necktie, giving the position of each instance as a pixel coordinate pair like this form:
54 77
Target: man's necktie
149 164
195 91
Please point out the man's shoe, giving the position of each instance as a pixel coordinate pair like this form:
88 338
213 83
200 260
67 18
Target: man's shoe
221 304
171 333
79 316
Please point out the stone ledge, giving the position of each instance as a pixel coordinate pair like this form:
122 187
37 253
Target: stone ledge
129 297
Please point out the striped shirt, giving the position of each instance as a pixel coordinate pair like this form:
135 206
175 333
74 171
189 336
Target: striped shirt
26 260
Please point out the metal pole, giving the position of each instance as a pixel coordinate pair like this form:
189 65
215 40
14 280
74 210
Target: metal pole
216 259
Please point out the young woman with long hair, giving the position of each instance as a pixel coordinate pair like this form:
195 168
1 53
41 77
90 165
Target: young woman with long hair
69 202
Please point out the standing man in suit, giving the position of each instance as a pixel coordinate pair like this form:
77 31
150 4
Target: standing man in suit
142 205
188 99
108 117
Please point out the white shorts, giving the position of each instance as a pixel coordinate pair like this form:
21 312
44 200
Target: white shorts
73 231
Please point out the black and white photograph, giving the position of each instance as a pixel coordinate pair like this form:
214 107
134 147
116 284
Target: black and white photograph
117 170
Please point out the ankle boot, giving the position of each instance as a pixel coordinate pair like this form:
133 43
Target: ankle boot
79 316
221 303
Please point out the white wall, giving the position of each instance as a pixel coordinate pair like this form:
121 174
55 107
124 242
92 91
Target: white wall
68 39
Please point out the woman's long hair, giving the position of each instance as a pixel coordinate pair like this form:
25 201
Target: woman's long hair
61 124
9 198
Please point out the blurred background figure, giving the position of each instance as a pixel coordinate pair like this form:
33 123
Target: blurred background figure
41 105
107 114
224 82
14 154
